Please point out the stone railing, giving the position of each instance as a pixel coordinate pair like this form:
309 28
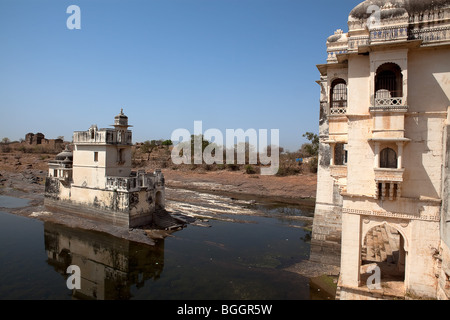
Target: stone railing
395 33
108 136
335 111
141 180
389 102
356 42
58 164
430 35
120 183
389 34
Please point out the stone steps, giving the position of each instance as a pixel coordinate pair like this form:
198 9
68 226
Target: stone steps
381 244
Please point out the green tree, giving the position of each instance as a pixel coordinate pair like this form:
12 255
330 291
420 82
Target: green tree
148 147
6 140
311 148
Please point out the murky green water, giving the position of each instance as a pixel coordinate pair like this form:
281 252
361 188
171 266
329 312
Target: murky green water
227 261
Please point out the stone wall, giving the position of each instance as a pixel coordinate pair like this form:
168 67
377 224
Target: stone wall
326 233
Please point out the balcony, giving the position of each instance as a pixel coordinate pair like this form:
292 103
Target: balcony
389 101
137 181
388 183
389 175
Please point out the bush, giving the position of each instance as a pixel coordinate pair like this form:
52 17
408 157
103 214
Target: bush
6 148
249 169
233 167
288 171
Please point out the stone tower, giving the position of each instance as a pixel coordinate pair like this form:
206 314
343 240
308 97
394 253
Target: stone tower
102 153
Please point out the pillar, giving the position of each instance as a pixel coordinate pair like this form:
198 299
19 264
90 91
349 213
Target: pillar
377 156
333 152
351 250
400 155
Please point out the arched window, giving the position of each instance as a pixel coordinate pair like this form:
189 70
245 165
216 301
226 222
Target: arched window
389 84
338 97
388 159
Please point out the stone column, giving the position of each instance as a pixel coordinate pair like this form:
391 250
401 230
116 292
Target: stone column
377 156
351 250
333 152
400 155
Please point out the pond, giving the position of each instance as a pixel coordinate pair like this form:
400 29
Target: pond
234 257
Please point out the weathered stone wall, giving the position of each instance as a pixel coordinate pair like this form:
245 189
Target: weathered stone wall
443 290
116 218
326 233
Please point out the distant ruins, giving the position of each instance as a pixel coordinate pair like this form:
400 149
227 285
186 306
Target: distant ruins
384 175
39 139
96 180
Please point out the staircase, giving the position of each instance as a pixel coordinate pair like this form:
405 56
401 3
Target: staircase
381 245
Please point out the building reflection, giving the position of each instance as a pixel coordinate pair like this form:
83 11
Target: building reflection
109 266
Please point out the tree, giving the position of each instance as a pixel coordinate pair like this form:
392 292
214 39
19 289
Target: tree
311 148
167 143
148 147
6 140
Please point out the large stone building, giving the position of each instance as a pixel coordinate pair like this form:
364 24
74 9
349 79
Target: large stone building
96 180
383 181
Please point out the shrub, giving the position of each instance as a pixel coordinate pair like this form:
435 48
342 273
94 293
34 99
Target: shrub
249 169
233 167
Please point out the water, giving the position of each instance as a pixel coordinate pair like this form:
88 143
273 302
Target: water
239 260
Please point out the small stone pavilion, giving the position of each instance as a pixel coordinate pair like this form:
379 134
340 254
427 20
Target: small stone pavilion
95 180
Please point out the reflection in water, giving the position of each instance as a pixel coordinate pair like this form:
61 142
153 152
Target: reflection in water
109 266
243 259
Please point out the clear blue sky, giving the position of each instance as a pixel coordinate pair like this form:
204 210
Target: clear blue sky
229 63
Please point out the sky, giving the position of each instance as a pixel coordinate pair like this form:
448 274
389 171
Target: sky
232 64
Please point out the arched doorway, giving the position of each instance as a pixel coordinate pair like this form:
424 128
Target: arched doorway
384 248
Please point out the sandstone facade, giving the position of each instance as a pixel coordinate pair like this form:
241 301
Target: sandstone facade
385 112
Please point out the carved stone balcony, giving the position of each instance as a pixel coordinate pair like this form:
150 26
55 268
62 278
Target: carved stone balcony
386 101
389 175
388 183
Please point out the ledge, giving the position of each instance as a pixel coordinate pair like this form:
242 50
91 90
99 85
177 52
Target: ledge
389 175
389 108
404 140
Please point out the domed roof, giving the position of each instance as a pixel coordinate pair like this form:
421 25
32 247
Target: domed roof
121 120
396 8
66 154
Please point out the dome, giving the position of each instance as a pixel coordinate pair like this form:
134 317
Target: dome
396 8
121 120
66 154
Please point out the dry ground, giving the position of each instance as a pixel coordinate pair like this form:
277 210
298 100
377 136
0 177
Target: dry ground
27 171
